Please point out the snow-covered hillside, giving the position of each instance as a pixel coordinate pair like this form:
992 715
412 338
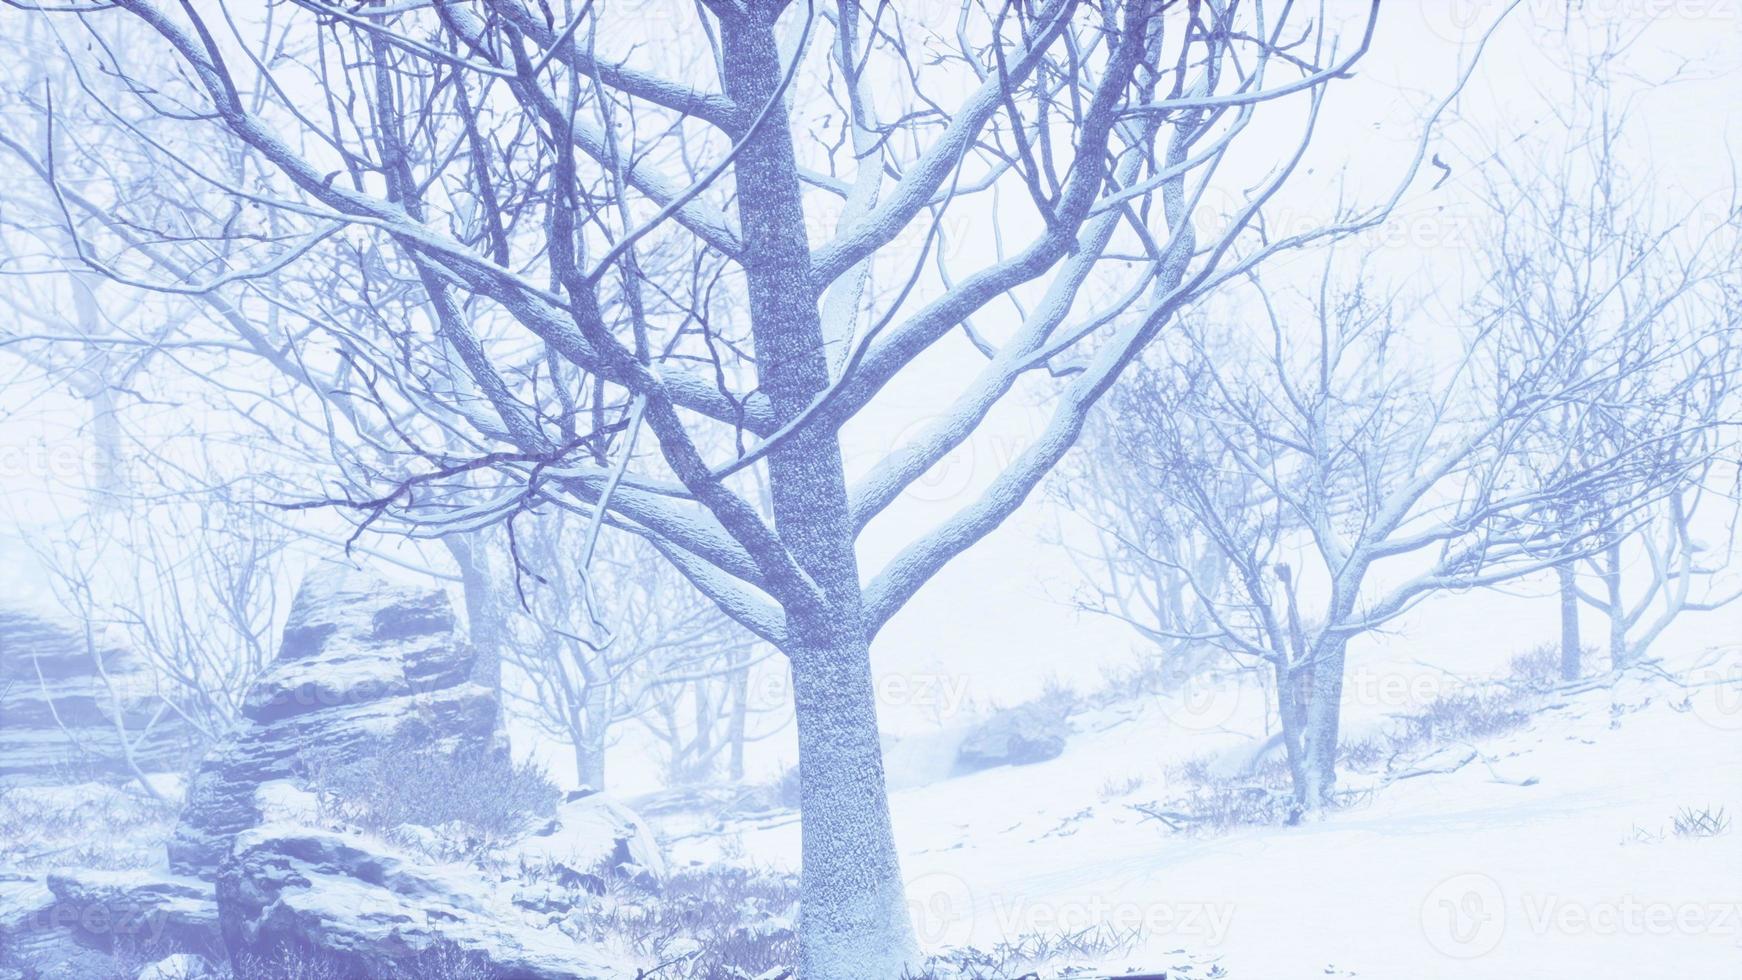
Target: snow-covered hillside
1546 852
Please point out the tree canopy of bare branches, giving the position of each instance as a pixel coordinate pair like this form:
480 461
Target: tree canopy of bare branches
646 262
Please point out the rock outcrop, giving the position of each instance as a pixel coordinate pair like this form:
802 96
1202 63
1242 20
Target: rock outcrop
76 925
362 908
166 909
266 874
75 707
361 661
1023 735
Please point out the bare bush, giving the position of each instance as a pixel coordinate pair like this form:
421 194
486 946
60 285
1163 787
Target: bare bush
1536 669
84 825
1463 715
283 963
708 922
1116 786
1059 953
1216 802
482 796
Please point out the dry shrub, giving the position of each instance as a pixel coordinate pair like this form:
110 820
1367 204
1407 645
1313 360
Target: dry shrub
705 923
482 793
1056 953
1463 715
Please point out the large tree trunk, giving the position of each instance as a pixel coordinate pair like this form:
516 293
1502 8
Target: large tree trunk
1292 697
1570 644
853 914
1324 716
853 917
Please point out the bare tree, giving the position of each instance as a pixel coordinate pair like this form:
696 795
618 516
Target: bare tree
490 243
631 641
1373 470
693 694
135 715
206 597
705 718
192 581
1598 264
1142 565
153 543
1681 571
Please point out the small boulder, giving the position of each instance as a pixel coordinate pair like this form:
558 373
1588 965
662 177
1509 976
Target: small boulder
1019 736
591 840
181 966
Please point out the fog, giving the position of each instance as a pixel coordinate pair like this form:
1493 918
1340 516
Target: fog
759 489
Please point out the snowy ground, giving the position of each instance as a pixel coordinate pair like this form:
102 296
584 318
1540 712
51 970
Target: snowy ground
1552 855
